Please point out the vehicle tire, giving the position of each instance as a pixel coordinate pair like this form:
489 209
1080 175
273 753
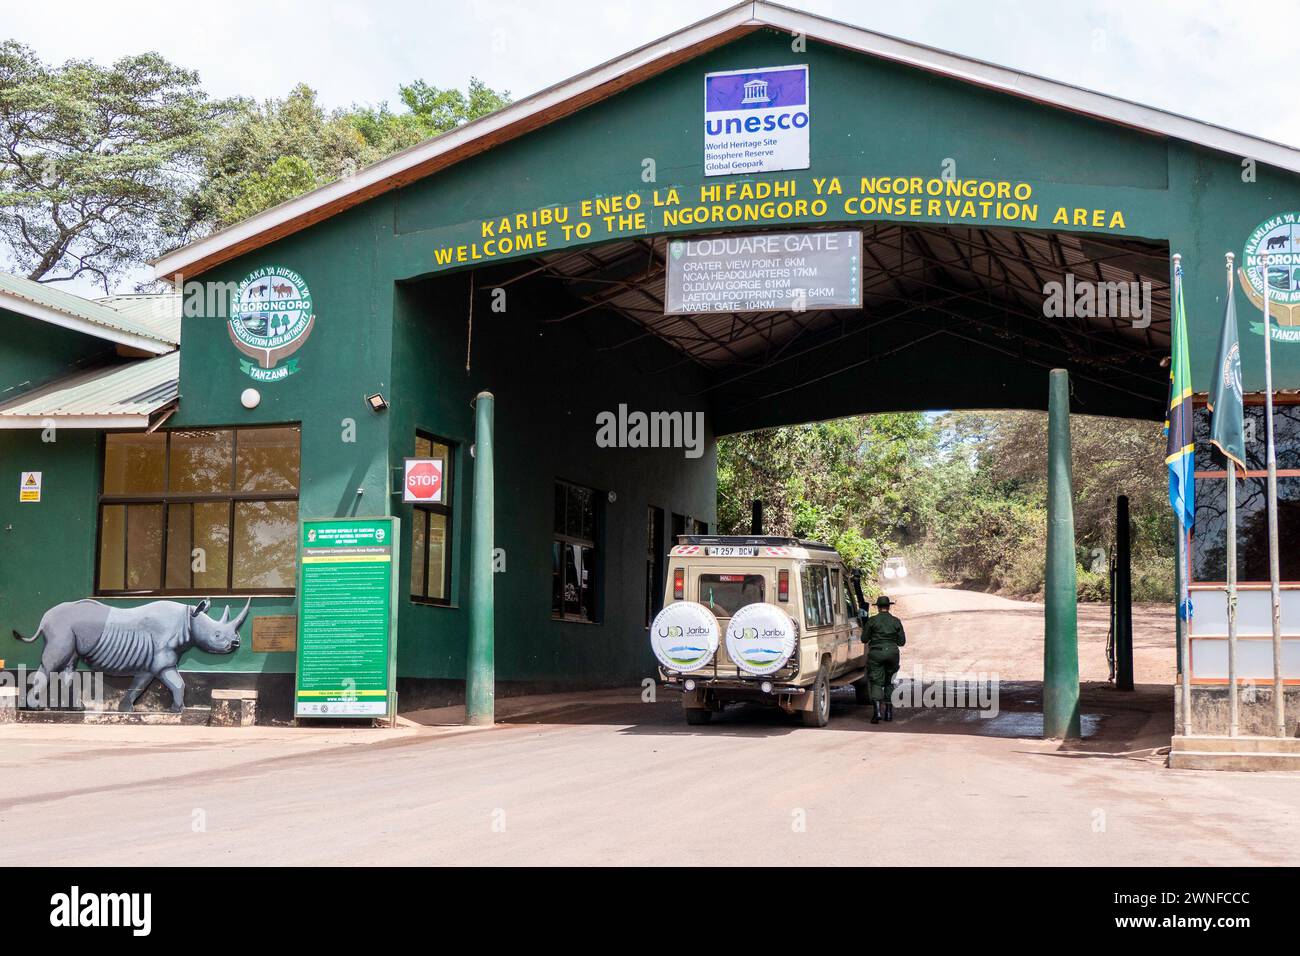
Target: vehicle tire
862 692
698 716
820 715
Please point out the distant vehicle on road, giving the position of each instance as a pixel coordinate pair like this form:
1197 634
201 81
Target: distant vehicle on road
762 619
894 569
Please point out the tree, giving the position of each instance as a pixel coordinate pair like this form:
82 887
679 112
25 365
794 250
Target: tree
267 153
850 482
990 534
94 161
440 110
964 495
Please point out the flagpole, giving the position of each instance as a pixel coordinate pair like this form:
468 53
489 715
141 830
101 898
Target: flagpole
1180 621
1233 703
1275 589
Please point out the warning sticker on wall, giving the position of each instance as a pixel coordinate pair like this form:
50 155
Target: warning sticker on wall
29 486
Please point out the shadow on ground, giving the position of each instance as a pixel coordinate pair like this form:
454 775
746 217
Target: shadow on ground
1113 722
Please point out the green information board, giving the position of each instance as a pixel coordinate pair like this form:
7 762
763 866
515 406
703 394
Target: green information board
347 618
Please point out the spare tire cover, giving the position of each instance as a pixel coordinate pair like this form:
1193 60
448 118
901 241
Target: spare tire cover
684 636
761 638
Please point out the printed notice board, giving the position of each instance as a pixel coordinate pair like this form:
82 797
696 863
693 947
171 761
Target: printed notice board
347 618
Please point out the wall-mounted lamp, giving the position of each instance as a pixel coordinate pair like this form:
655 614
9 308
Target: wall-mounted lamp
250 397
377 402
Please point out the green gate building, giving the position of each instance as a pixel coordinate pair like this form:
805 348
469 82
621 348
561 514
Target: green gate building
179 439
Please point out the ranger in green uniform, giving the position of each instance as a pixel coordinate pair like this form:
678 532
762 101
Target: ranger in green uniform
883 636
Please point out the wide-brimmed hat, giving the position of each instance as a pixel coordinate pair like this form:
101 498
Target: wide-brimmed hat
883 601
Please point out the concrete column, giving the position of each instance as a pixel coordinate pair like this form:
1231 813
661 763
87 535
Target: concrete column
480 676
1061 638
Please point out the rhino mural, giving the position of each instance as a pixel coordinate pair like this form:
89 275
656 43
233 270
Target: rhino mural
144 642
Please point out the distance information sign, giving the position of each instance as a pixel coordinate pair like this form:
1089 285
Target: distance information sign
764 272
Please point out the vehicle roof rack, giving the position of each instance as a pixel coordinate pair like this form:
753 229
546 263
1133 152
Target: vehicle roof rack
770 540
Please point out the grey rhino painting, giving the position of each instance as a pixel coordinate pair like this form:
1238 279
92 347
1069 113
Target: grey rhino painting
144 642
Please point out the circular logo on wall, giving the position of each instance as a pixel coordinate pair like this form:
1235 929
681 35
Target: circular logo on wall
684 636
760 638
1272 251
270 318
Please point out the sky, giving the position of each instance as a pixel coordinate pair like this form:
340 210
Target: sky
1228 62
1202 59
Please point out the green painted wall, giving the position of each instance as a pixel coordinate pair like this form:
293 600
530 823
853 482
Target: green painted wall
549 384
47 548
34 352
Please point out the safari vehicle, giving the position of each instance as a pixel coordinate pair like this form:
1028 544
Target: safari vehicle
894 569
762 619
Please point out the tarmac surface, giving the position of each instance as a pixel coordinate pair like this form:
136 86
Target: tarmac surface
607 777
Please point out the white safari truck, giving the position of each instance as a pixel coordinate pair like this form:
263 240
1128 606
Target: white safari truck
761 619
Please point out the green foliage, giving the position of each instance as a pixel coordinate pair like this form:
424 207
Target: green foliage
847 482
267 153
94 161
964 496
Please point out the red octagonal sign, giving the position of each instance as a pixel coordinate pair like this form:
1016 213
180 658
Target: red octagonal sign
423 480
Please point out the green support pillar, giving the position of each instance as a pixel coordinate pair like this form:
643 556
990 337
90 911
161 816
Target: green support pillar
1061 643
480 676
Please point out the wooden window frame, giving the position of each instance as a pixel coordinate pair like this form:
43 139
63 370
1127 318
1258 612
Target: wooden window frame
167 498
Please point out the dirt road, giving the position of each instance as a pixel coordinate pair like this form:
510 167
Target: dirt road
959 631
610 778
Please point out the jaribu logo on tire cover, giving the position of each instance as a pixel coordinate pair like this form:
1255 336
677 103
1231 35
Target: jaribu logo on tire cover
684 636
760 638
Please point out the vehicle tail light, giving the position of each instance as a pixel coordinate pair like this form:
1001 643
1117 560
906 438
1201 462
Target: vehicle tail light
783 585
679 584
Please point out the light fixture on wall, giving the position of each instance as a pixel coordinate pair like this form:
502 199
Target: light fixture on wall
377 402
250 398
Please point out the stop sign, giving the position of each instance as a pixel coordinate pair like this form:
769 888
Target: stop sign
423 479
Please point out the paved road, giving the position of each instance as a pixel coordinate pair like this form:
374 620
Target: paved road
608 778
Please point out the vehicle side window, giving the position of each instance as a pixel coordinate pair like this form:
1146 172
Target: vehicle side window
837 602
818 606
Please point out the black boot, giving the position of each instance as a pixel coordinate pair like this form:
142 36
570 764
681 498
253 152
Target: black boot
875 711
889 710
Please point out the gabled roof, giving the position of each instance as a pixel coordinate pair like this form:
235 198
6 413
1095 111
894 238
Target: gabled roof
121 396
618 74
48 304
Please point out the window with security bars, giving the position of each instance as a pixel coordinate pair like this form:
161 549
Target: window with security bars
1209 563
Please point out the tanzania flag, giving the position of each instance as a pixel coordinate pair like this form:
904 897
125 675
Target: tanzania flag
1178 428
1226 431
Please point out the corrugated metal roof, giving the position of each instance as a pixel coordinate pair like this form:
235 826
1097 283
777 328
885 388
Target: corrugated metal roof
125 394
159 311
39 300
